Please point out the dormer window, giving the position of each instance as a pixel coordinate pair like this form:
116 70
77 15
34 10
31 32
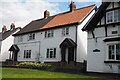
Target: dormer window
113 16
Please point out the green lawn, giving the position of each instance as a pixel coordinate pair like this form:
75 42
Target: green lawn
28 73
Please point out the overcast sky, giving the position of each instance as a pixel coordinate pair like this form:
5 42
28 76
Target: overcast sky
21 12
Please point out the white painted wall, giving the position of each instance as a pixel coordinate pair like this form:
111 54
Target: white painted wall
95 60
6 44
82 40
41 44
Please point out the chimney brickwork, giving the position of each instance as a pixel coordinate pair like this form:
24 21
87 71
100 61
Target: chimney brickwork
46 14
4 29
72 6
12 26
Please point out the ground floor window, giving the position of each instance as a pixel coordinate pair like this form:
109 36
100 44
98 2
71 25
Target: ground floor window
27 54
51 53
114 51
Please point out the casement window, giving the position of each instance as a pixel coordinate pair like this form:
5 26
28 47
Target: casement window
31 36
109 17
51 53
114 52
113 16
65 31
20 38
49 33
27 54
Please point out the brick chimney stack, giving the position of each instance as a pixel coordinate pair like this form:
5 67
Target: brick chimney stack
72 6
4 29
12 26
46 14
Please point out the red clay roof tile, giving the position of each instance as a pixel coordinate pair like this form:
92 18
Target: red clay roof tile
69 17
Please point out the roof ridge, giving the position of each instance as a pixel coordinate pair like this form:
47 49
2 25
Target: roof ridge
65 12
76 9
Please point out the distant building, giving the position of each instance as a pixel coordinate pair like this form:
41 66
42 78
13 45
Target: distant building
6 40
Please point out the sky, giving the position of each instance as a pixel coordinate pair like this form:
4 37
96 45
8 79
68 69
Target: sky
22 12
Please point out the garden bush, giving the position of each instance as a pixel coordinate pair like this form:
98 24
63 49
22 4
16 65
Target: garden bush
35 65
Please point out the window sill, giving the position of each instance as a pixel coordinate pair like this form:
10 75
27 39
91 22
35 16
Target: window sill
111 61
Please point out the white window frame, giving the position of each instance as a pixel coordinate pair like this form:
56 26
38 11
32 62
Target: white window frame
31 36
20 38
49 33
114 15
51 53
27 54
109 16
65 31
115 54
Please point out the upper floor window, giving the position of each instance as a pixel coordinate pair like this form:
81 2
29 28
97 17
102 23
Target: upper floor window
51 53
113 16
65 31
49 33
109 17
114 52
31 36
27 54
20 38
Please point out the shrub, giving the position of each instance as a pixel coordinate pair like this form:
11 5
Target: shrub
35 65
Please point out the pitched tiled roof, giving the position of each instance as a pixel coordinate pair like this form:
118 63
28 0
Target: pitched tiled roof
69 17
34 25
57 20
8 33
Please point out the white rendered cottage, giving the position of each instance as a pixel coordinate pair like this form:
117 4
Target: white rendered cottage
104 39
6 41
55 38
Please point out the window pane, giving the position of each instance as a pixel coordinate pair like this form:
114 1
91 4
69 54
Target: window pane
45 33
48 34
109 17
47 53
54 56
67 31
111 52
117 51
29 53
52 33
115 15
51 54
63 31
24 53
33 36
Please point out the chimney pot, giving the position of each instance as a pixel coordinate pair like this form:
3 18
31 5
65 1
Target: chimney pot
4 29
72 6
12 26
46 14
